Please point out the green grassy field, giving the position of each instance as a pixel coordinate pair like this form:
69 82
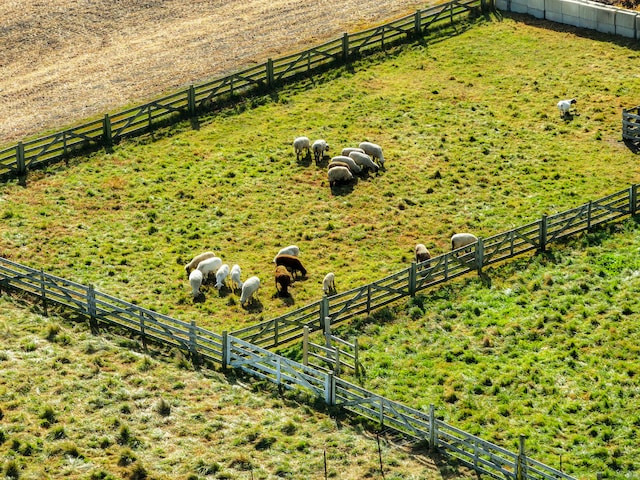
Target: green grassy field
473 142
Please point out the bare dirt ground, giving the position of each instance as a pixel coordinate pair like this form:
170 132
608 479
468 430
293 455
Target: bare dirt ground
63 61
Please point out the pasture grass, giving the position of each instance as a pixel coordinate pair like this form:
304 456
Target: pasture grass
473 142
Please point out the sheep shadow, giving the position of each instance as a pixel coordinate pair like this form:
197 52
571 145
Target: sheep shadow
305 160
342 189
253 306
287 298
323 162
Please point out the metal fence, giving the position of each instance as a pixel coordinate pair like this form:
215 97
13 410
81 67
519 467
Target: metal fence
18 159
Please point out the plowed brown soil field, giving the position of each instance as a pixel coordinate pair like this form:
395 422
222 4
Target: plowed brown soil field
62 61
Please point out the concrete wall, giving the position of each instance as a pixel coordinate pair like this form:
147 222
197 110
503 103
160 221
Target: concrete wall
579 13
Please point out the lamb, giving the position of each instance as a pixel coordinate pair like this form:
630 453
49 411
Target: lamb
249 288
364 161
319 147
301 144
565 106
460 240
235 277
353 166
347 150
339 174
195 280
196 260
374 150
283 280
221 275
329 283
422 254
209 265
292 263
290 250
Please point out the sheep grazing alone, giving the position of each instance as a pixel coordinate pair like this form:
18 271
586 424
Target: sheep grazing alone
292 263
422 254
329 284
374 151
347 150
195 280
209 265
283 280
339 174
290 250
353 166
221 275
460 240
249 289
300 145
319 147
364 161
565 106
196 260
235 277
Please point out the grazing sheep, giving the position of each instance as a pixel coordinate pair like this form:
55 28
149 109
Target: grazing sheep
336 163
339 174
364 161
290 250
196 260
221 275
374 150
249 288
209 265
460 240
347 150
565 106
329 283
353 166
422 254
283 280
301 144
319 147
235 277
195 280
292 263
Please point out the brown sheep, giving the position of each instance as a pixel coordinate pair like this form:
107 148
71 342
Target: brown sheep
283 280
292 263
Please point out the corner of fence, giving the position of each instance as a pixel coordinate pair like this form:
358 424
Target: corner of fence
107 136
225 350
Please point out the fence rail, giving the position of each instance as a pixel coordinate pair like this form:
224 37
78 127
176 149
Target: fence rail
631 124
18 159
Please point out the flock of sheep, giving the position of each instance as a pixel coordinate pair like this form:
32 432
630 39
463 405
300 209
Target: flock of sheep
206 266
367 156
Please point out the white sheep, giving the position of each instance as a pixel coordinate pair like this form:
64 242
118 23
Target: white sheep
329 283
353 166
319 147
249 288
290 250
422 253
301 144
235 277
374 150
364 160
209 265
196 260
565 106
347 150
338 175
221 275
195 280
460 240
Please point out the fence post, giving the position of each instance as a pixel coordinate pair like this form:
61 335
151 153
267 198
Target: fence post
91 309
193 344
20 162
633 199
417 24
107 139
143 333
345 47
270 75
356 361
521 462
191 100
225 350
479 255
330 389
542 240
412 279
305 345
43 292
369 299
589 215
327 331
433 434
324 311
